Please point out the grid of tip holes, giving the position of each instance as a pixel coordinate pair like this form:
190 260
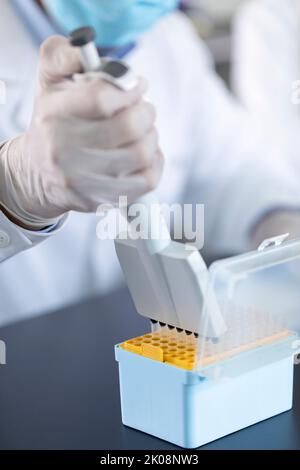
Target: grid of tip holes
183 353
164 349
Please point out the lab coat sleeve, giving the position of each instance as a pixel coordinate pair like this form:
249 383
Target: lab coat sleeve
236 174
266 57
14 239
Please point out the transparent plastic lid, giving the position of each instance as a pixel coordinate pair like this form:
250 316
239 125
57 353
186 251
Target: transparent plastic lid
258 295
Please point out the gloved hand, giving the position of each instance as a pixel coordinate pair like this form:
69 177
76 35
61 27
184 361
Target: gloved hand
88 143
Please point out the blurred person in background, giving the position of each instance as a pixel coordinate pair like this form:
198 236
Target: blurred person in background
266 70
66 149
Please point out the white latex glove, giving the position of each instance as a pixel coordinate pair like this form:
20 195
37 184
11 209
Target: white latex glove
88 144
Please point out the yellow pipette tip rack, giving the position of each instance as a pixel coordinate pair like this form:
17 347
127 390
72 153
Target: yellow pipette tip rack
163 349
183 354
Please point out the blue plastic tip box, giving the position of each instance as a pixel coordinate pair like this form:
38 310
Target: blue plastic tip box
242 379
189 411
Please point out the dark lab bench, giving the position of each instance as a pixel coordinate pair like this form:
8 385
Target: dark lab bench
60 390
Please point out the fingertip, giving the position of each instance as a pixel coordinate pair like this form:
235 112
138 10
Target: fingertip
69 58
58 59
52 42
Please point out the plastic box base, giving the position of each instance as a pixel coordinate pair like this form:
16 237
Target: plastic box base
189 411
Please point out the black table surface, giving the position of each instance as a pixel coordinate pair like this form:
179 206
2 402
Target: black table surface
60 389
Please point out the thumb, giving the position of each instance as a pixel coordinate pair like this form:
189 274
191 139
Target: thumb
58 60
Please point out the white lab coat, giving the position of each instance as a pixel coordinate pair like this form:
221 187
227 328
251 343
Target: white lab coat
266 58
210 159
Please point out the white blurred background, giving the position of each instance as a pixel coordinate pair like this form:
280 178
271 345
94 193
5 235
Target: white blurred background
213 19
